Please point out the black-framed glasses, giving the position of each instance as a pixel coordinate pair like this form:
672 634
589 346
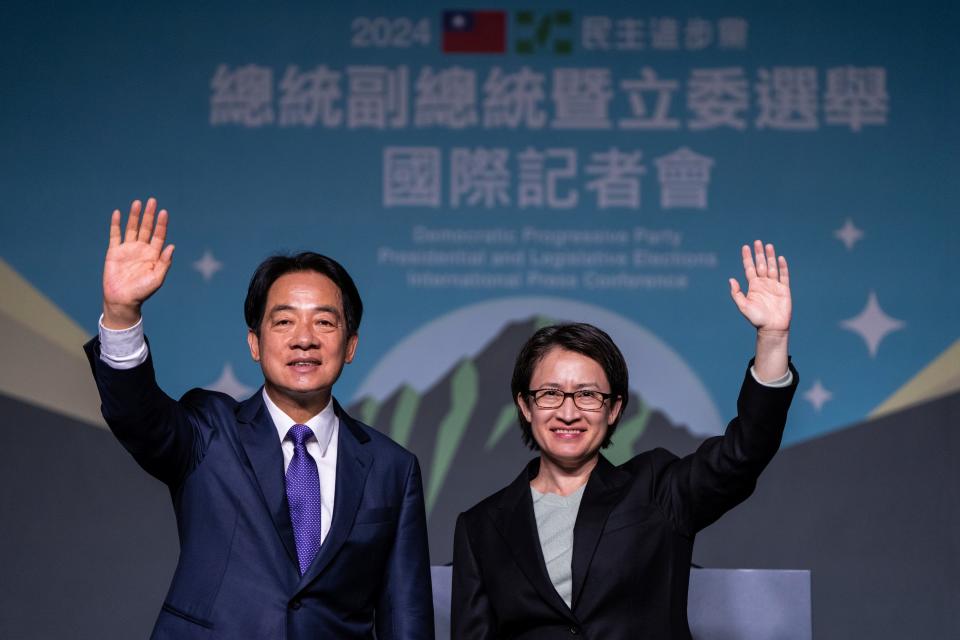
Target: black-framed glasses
584 399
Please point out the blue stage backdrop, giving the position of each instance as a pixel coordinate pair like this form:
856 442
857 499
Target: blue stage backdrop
482 172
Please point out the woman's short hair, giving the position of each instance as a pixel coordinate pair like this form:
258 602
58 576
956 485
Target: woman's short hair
581 338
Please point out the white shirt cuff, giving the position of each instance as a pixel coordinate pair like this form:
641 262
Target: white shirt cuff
783 381
123 348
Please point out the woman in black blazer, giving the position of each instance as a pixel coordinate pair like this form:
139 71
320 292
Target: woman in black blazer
575 547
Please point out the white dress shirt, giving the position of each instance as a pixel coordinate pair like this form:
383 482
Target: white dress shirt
322 447
126 348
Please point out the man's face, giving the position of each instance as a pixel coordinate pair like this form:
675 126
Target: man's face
303 341
569 436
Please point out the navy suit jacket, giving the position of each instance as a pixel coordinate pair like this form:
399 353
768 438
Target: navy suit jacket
237 576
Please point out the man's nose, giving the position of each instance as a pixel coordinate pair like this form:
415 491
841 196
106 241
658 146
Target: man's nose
303 337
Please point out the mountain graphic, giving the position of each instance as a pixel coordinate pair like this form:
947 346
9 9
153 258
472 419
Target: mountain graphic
465 432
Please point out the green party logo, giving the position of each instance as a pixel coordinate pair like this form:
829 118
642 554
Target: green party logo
543 32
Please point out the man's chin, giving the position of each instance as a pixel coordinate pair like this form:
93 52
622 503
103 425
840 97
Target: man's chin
299 393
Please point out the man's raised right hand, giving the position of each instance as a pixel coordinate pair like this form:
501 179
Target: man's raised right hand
136 264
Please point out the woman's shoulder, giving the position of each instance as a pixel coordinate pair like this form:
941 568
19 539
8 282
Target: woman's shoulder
501 503
490 504
652 458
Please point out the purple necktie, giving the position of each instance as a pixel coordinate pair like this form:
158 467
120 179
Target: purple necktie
303 495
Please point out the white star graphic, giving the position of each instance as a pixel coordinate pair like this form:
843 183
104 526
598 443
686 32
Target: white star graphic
849 234
817 395
459 21
228 384
872 324
207 265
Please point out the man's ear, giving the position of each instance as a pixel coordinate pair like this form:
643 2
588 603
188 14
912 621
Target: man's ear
351 348
522 403
253 341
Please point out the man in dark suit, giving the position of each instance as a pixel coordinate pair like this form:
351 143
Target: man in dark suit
576 547
295 520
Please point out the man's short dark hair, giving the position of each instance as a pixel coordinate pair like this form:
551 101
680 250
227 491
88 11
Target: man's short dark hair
581 338
279 265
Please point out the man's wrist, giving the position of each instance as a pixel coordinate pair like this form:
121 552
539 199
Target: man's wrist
117 317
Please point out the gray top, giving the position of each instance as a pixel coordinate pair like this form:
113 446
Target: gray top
556 516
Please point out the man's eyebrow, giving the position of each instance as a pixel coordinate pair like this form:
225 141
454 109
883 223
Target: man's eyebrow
289 307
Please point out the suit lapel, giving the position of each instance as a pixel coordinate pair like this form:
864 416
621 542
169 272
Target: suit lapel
260 441
601 495
353 464
517 524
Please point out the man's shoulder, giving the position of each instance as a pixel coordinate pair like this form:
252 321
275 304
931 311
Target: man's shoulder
199 397
383 444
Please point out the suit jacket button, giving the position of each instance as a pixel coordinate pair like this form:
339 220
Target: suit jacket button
574 631
295 604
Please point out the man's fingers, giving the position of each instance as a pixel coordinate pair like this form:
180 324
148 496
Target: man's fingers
146 225
160 231
784 273
133 222
167 257
749 269
771 262
738 298
759 258
163 265
115 228
734 286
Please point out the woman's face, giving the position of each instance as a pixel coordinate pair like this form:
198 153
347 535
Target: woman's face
569 436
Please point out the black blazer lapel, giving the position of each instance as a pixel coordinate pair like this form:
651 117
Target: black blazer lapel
603 492
260 441
516 522
353 465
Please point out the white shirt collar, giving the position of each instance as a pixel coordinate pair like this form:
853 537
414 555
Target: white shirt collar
323 424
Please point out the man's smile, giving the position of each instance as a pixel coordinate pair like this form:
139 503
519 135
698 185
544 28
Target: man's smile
304 364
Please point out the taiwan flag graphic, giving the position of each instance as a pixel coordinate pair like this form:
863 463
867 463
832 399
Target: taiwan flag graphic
474 31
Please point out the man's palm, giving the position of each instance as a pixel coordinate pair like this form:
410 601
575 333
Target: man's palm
137 263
